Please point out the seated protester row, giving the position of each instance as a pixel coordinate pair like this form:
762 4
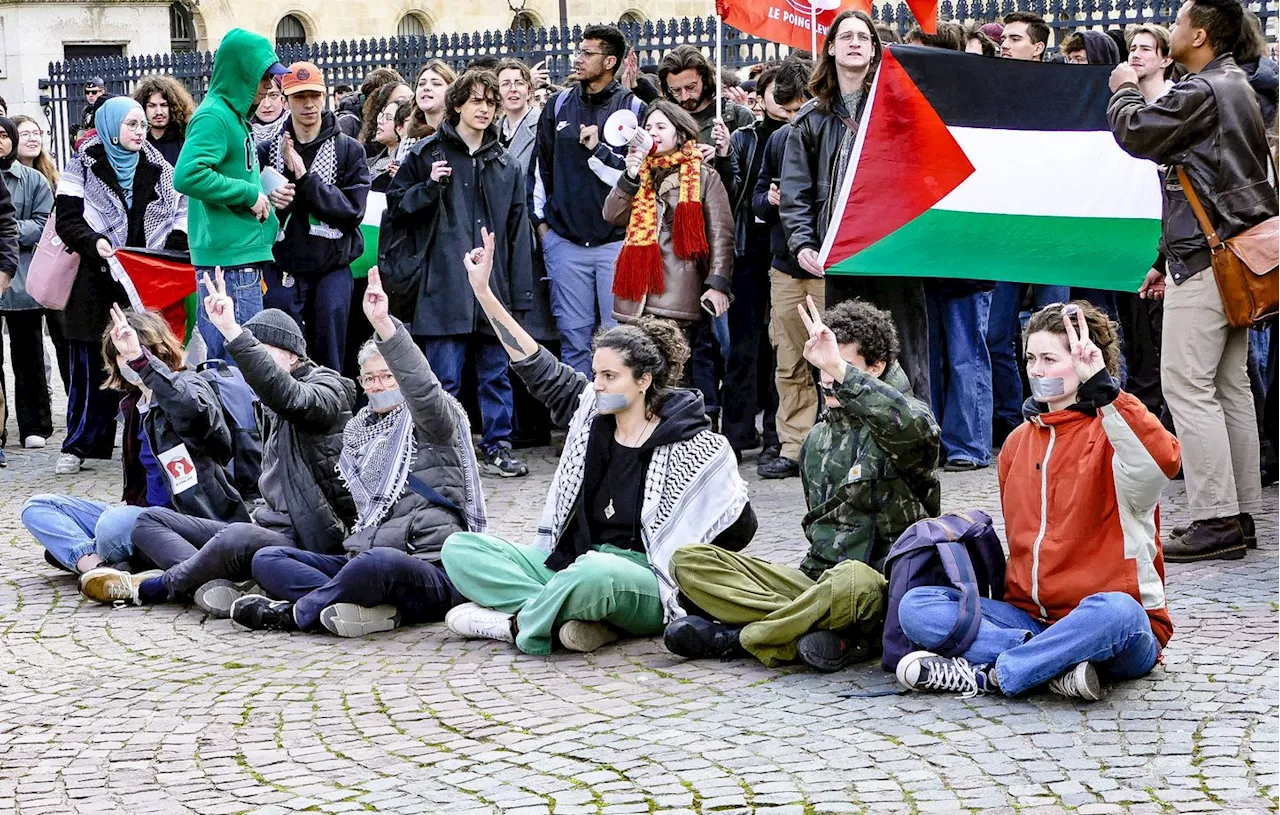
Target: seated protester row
177 446
304 409
868 470
408 460
1080 481
642 474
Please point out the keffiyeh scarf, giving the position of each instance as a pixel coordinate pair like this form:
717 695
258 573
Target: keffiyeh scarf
377 452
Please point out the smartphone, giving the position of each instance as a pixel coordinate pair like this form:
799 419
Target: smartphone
707 307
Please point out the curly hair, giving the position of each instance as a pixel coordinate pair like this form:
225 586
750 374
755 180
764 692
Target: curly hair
181 105
154 335
648 345
374 106
857 322
684 58
1104 333
459 92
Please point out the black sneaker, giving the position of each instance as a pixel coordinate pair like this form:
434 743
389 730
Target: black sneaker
258 613
503 463
769 453
829 652
962 465
780 467
699 638
926 671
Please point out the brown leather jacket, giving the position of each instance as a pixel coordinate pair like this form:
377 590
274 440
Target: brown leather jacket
1211 125
686 280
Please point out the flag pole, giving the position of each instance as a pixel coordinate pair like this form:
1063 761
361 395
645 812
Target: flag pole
813 30
719 61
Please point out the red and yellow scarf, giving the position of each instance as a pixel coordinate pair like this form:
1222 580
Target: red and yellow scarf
639 272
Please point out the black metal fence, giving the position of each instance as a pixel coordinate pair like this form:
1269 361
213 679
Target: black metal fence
348 61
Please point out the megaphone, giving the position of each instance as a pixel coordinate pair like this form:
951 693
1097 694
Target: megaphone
622 128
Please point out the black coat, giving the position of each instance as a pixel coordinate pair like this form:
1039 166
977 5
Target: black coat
186 411
8 234
88 308
304 414
808 170
308 250
487 189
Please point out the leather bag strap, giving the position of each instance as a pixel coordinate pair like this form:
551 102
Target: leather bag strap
1203 217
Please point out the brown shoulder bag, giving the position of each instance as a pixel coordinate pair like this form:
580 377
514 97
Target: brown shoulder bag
1244 266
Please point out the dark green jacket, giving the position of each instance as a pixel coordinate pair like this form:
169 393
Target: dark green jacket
868 471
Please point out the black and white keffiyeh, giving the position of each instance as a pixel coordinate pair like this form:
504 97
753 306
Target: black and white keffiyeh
377 452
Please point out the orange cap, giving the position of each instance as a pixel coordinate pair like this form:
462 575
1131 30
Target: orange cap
303 76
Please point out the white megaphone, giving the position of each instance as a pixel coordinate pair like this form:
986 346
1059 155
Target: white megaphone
621 128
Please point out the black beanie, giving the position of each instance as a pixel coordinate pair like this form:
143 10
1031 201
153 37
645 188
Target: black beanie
272 326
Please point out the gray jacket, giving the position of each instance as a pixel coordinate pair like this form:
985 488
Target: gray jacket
524 139
34 202
414 524
304 414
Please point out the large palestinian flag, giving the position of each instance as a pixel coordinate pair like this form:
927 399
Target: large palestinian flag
993 169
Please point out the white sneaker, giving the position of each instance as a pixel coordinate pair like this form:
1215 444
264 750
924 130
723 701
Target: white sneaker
585 636
68 464
33 442
351 620
1081 682
477 622
106 585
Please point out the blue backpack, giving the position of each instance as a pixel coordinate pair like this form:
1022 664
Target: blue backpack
959 550
240 408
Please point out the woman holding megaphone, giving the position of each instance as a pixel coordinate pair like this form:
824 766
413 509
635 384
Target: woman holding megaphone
677 259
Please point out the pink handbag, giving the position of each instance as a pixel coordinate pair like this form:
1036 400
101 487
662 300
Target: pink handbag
53 269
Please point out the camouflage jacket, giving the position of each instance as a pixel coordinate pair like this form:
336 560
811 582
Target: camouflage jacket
868 470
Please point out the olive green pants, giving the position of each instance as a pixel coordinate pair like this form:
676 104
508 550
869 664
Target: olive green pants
777 605
607 584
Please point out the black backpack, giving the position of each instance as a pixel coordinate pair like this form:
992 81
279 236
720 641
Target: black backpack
403 252
240 408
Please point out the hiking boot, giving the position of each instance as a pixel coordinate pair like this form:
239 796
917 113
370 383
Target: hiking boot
1218 538
107 585
699 638
258 613
585 636
67 464
1081 682
503 463
351 620
926 671
780 467
1246 526
769 453
474 621
828 651
962 465
216 597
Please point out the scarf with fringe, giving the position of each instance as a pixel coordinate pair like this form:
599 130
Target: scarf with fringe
639 270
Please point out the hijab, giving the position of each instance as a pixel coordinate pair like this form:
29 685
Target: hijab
108 121
9 127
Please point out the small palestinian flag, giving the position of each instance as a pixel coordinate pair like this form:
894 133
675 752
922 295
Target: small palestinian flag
993 169
161 280
375 205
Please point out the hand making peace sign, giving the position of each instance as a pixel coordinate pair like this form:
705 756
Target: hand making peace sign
219 306
123 335
1086 357
821 349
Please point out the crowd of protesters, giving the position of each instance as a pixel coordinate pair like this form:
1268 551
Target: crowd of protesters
661 299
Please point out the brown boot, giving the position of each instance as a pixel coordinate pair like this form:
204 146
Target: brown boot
1218 538
1246 526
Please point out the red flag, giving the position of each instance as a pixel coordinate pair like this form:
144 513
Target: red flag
159 280
785 21
926 14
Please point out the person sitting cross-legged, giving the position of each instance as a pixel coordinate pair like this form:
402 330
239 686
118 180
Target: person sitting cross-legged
408 461
868 471
1080 483
641 475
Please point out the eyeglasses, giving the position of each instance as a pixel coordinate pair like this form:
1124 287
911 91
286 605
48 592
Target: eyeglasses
513 83
30 135
386 379
134 124
850 36
386 117
587 52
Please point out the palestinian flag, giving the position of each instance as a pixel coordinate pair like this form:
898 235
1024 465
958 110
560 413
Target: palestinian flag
161 280
993 169
375 205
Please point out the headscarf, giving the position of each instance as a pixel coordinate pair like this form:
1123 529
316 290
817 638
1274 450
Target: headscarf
107 121
9 127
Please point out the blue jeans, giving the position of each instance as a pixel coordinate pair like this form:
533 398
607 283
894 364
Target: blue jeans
1004 330
1110 629
960 374
581 293
244 287
419 589
71 528
448 356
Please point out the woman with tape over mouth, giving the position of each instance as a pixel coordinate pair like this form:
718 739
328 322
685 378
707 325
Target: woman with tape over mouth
641 475
1080 483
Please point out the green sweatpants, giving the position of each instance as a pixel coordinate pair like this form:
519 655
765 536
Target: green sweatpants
607 584
777 605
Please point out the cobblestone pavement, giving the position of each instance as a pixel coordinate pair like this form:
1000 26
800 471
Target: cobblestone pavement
161 710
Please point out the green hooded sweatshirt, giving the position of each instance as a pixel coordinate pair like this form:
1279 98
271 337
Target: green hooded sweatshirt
218 166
